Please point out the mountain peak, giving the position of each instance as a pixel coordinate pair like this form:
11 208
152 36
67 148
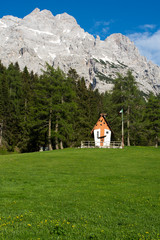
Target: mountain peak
35 11
58 40
38 13
66 17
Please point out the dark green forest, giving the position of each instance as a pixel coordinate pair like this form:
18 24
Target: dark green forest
57 110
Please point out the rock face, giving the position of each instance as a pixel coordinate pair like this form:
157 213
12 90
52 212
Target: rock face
41 37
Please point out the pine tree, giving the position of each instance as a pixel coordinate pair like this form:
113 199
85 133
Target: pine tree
127 96
152 119
54 107
4 106
89 104
15 91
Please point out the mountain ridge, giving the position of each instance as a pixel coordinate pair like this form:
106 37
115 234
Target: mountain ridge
41 37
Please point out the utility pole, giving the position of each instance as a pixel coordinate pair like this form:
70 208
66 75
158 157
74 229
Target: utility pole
122 128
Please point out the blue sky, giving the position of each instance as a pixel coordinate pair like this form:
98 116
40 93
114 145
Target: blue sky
138 19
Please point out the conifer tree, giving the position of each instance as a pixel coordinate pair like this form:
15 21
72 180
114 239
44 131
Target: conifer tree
59 110
4 106
54 106
127 96
152 119
14 77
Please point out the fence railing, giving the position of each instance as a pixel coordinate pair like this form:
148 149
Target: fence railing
93 144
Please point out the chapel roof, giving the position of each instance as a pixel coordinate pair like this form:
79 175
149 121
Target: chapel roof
101 123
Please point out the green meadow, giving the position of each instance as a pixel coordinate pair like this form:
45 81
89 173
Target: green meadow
81 194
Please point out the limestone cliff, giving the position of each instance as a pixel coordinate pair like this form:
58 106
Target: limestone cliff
41 37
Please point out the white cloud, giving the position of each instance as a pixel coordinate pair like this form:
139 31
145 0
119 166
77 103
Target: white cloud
100 28
101 23
148 45
148 26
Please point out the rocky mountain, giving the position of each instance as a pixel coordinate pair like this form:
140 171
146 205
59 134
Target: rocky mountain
41 37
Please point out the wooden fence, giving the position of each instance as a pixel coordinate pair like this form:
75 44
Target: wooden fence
93 144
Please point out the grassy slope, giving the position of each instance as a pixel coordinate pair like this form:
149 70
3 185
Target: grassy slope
81 194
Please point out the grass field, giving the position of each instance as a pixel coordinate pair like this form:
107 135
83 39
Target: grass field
81 194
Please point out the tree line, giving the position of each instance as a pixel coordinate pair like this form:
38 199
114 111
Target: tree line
57 110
